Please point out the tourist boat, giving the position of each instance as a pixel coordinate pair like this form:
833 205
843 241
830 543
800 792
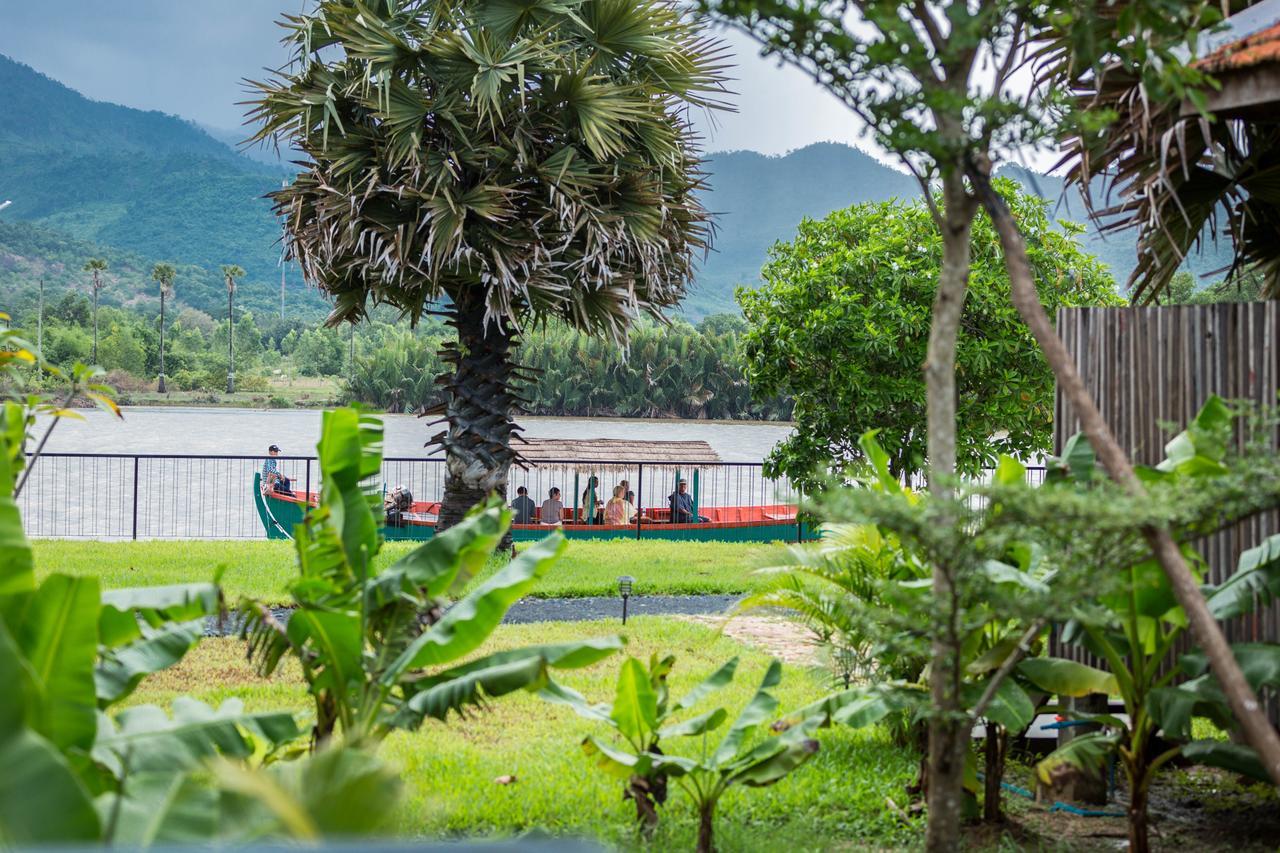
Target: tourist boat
651 467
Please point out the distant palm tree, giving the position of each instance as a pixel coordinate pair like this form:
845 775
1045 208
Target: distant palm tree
231 272
95 267
164 274
509 161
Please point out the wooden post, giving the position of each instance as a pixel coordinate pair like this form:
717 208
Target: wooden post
695 494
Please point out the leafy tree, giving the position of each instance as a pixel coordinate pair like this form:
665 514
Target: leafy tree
1184 290
95 267
319 352
72 308
841 326
121 350
231 272
521 159
932 82
163 274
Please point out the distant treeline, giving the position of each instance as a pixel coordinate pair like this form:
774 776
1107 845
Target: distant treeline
679 370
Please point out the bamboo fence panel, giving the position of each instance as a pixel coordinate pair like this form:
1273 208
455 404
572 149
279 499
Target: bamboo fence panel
1150 369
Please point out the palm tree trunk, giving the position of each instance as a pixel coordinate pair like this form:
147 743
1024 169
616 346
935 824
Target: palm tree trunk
231 336
479 408
160 387
95 322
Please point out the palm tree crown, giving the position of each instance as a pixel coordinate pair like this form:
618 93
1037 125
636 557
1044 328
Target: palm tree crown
164 274
535 150
231 272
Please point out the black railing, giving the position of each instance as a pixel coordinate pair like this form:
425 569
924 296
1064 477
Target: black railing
189 496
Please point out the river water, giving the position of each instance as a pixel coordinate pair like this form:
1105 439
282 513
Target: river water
250 431
161 495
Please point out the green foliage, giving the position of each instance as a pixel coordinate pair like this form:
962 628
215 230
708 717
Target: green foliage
842 326
1205 480
70 654
641 713
378 648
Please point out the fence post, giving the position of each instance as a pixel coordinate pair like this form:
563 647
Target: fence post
799 523
639 497
135 497
307 489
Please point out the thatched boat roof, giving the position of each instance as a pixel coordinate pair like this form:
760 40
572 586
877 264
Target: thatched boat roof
598 454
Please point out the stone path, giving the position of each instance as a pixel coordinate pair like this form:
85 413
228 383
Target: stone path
784 639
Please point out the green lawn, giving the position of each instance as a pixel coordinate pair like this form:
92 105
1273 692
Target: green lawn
837 800
263 569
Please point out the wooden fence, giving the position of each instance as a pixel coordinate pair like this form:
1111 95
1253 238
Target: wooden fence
1151 366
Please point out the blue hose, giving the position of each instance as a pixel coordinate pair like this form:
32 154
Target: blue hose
1057 806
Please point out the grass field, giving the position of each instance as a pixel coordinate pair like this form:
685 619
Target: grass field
448 770
263 569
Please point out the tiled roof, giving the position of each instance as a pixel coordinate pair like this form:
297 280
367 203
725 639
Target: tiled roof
1261 48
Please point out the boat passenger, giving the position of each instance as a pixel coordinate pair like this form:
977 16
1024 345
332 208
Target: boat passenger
633 513
617 510
552 508
682 504
588 514
396 505
272 479
524 507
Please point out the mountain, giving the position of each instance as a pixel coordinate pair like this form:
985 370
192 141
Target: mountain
144 186
759 200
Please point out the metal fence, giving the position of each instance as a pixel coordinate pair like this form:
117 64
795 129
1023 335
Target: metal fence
154 496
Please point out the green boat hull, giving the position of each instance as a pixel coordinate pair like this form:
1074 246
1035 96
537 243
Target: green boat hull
279 517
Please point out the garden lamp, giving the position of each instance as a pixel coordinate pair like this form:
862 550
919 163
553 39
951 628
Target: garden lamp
624 589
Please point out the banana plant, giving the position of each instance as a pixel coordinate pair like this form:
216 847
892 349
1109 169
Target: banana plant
641 713
380 650
78 770
1141 623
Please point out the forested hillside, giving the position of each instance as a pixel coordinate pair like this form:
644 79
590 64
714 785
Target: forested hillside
138 187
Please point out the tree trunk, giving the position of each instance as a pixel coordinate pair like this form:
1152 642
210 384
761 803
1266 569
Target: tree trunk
95 322
1241 697
706 818
948 735
479 409
996 747
1139 839
160 387
231 336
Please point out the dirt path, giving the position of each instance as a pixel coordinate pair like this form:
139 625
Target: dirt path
782 638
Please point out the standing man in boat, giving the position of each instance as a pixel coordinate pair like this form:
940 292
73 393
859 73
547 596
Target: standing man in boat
272 479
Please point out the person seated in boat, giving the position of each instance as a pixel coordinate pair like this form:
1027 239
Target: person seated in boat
682 506
591 511
617 510
272 479
552 508
636 515
396 504
523 507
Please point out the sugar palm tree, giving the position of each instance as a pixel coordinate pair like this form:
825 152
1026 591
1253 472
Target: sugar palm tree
502 161
231 272
163 274
95 267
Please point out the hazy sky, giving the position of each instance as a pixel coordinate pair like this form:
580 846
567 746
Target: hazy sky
188 57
